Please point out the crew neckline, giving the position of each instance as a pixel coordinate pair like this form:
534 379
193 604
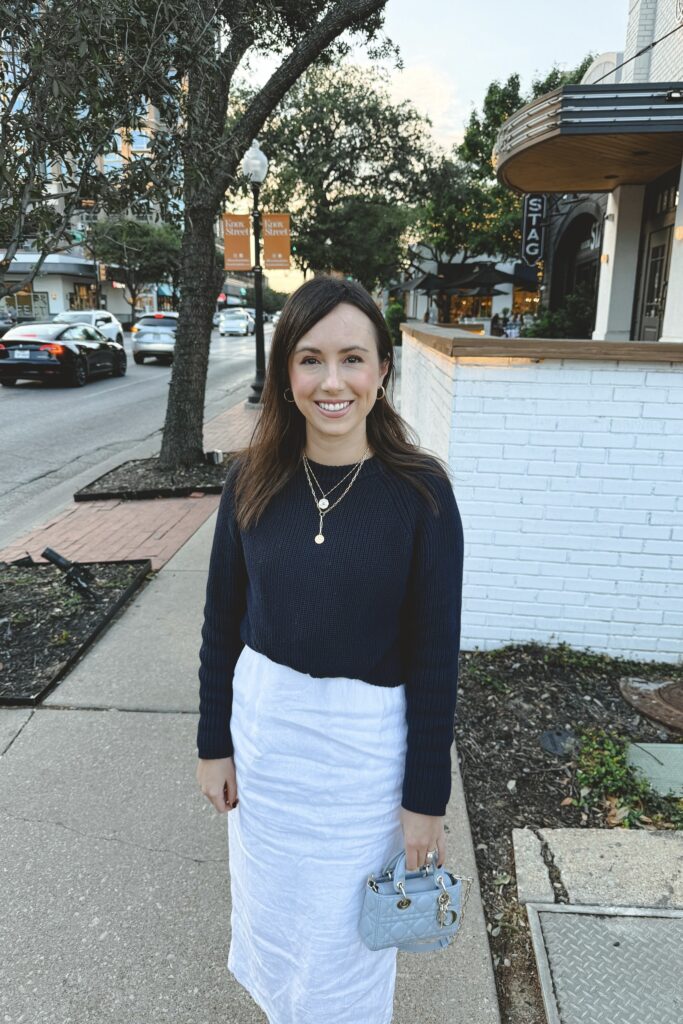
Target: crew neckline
370 464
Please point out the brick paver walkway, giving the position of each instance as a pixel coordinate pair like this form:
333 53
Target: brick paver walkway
91 531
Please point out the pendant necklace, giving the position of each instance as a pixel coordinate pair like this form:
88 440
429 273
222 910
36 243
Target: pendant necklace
322 504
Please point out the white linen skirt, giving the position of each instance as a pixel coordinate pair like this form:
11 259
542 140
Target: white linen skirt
319 765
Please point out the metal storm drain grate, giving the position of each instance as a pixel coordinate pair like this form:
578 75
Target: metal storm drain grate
599 965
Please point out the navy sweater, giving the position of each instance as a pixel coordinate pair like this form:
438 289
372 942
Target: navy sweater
378 601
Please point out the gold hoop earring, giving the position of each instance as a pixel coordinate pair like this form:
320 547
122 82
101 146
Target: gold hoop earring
290 400
383 390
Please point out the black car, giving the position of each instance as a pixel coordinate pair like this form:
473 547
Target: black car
68 352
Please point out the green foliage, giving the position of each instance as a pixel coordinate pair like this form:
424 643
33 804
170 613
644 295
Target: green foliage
135 252
272 299
394 316
605 777
469 212
348 163
575 318
71 75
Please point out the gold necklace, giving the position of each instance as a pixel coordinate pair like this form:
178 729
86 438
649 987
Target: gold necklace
319 538
322 502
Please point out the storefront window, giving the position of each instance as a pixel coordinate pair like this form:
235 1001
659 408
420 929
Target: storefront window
524 302
82 297
29 305
464 307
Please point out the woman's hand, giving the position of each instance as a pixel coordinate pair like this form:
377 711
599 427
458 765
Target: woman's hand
218 782
422 833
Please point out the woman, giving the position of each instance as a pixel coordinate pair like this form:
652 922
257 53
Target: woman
329 661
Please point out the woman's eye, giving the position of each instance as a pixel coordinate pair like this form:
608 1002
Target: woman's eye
312 359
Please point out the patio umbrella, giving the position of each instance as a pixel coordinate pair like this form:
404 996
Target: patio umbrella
481 292
486 275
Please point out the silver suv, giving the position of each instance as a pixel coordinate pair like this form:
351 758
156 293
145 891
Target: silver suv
154 335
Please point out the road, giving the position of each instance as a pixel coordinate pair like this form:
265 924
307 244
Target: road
56 439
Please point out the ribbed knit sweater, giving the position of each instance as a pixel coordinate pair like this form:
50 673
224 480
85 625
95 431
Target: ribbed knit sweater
378 601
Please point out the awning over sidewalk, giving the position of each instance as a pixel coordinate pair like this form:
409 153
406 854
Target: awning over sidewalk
592 138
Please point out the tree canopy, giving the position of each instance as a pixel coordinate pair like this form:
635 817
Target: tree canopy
72 75
348 164
468 211
135 252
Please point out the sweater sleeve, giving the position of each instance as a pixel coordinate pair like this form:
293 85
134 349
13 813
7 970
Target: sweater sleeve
431 651
221 644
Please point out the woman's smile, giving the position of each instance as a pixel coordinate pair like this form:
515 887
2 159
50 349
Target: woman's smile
334 409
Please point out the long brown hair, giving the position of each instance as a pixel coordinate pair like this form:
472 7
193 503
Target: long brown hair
279 437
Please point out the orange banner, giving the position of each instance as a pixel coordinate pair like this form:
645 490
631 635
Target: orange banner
276 241
236 235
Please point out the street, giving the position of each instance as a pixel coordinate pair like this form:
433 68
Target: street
56 438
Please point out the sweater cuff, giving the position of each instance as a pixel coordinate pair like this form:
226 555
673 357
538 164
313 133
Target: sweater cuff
427 791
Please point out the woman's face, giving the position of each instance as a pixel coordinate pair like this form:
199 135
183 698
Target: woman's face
337 364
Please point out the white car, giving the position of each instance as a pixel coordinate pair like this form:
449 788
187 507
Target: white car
236 321
154 335
106 323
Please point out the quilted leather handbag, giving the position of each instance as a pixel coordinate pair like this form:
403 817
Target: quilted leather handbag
416 911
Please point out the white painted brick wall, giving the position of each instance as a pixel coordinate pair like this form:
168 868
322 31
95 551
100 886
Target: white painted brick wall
569 480
649 20
666 62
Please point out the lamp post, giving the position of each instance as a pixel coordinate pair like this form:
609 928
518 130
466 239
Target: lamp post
255 168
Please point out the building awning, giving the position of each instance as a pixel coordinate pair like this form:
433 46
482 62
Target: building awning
165 291
592 138
53 264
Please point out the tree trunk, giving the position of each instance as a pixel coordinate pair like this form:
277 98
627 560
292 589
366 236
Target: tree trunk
183 441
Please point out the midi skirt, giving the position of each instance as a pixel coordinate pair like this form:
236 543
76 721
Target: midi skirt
319 765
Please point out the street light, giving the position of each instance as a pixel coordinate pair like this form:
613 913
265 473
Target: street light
255 168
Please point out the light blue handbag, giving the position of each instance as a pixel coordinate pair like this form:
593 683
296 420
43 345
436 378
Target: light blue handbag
417 911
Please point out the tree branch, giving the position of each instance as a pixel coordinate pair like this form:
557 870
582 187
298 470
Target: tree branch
333 24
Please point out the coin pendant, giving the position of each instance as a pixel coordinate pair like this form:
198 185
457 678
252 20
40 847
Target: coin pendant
319 538
323 503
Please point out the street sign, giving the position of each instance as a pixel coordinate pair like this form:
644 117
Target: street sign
237 252
533 227
276 241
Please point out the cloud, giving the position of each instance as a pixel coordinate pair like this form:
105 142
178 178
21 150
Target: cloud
433 93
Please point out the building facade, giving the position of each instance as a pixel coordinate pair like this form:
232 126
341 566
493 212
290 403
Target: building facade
608 154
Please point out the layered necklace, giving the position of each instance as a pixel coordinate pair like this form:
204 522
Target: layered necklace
322 503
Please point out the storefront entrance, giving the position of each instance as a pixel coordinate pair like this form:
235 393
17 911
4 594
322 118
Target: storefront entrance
659 215
656 280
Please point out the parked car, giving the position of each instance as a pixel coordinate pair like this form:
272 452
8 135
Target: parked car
105 322
275 317
69 352
236 321
216 318
154 336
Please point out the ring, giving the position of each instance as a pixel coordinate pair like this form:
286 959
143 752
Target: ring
430 855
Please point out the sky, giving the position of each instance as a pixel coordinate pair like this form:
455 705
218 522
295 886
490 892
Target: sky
453 49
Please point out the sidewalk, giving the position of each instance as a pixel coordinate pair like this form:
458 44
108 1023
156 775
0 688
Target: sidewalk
117 901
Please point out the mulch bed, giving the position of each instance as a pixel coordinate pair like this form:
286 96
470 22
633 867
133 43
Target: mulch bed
507 698
46 624
144 478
